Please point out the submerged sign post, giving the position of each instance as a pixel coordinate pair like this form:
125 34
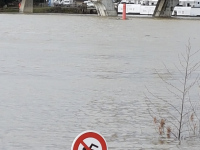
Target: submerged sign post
89 140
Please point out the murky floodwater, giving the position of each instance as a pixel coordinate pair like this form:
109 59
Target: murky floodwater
64 74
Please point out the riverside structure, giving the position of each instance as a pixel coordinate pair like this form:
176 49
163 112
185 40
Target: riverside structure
164 8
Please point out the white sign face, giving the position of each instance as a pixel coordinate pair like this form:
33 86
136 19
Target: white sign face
92 143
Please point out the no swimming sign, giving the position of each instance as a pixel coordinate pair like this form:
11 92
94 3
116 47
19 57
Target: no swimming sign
89 140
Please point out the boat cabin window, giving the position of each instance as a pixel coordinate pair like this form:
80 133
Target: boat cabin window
188 4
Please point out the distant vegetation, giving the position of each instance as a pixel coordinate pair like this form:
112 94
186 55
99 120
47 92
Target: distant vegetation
15 2
7 2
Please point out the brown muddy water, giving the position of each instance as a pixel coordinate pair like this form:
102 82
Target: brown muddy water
64 74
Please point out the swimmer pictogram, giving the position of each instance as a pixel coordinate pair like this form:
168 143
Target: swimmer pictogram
91 147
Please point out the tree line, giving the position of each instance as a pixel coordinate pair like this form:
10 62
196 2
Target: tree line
6 2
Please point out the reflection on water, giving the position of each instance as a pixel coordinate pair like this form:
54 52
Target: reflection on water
63 74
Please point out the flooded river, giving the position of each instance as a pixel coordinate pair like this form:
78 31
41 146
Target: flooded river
64 74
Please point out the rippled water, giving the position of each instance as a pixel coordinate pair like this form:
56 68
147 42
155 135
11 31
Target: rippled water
64 74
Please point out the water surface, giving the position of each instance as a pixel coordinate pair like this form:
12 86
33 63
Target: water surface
64 74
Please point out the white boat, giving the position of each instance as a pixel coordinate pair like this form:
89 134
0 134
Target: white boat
187 8
147 7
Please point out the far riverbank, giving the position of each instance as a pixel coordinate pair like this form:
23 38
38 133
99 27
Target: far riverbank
70 10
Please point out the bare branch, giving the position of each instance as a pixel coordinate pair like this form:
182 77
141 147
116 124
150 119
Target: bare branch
184 58
172 133
194 68
192 106
194 53
167 69
173 116
180 62
163 100
169 83
173 124
187 113
178 69
192 84
176 95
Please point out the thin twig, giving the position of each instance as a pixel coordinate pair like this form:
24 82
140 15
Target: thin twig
164 101
168 83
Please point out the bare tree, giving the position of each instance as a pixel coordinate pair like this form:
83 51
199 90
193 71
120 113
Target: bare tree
179 118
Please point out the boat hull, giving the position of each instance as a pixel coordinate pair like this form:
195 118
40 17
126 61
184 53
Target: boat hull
138 9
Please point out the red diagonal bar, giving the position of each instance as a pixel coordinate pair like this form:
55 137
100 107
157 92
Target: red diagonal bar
84 145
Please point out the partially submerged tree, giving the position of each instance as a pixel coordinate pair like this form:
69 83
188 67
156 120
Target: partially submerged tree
179 118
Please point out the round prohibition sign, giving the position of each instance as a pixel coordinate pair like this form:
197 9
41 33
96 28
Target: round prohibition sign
89 140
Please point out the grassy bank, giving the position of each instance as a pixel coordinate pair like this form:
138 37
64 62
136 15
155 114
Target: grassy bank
9 9
70 10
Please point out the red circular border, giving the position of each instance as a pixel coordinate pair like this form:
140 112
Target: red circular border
90 135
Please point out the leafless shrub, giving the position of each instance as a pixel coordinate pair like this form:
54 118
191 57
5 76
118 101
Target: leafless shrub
180 119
